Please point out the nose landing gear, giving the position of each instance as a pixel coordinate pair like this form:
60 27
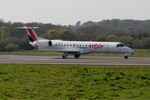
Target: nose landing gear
125 57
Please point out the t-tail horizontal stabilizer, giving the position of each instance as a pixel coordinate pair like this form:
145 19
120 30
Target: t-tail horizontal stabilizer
31 33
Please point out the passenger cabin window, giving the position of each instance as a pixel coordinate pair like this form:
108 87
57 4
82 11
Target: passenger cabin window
120 45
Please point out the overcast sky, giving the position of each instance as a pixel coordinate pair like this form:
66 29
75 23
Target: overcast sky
70 11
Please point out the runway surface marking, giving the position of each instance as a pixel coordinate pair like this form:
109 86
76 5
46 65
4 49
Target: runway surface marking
83 60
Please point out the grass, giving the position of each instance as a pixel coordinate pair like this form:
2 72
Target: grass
142 52
70 82
138 53
30 52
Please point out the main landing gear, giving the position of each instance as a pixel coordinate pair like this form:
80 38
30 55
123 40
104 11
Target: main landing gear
64 56
76 56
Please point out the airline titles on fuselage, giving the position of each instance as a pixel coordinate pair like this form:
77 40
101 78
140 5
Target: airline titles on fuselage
92 46
96 46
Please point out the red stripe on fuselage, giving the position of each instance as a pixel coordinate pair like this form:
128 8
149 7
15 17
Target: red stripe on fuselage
32 34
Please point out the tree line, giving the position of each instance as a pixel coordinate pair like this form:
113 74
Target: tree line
134 33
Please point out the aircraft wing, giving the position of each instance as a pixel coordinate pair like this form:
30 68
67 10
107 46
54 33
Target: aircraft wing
78 50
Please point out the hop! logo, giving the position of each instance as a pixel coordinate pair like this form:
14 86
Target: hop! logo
96 46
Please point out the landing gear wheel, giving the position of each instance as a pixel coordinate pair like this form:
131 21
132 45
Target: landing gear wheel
125 57
64 56
76 56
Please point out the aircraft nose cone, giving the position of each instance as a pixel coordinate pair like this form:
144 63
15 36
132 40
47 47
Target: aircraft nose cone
131 51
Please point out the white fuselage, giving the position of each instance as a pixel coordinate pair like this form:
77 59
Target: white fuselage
82 47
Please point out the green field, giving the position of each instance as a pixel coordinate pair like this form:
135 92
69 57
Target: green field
138 53
70 82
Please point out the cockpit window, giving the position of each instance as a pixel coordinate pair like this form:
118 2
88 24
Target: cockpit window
120 45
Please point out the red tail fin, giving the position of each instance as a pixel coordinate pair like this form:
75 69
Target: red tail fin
31 33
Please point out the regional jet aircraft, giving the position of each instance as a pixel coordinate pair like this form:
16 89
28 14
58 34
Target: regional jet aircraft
76 48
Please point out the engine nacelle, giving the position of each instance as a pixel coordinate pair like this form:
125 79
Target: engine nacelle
43 43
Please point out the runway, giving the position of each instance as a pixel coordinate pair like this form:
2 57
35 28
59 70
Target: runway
83 60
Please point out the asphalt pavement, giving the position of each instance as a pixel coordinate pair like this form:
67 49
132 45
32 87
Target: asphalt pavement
83 60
